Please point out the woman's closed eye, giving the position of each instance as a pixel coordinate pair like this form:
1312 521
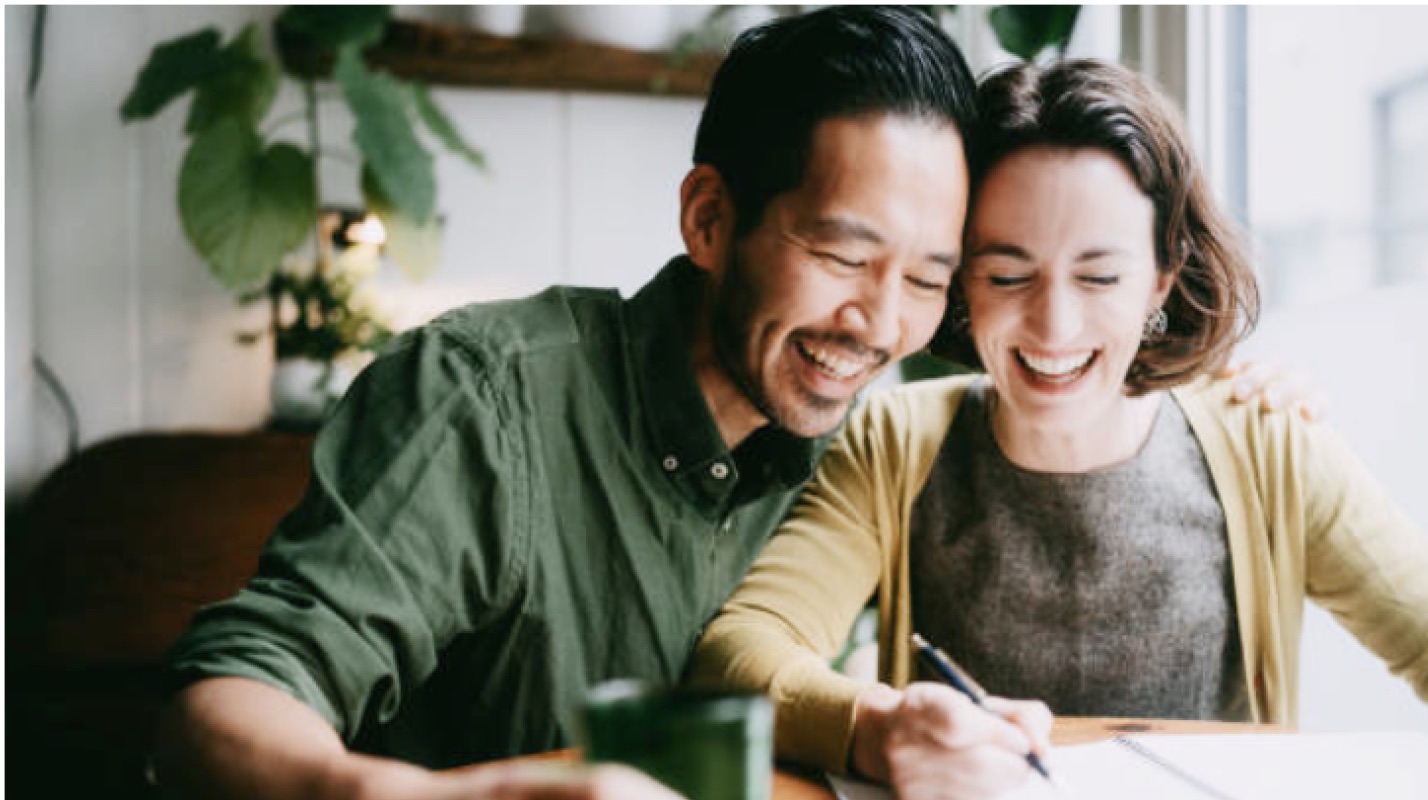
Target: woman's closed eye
1101 280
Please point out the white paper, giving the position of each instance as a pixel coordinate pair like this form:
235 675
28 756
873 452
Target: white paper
1313 766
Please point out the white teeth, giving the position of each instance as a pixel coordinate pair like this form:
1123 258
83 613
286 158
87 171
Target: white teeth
1056 367
832 364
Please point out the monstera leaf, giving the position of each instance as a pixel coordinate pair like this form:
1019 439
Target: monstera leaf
244 205
242 86
1025 31
174 67
400 165
438 123
332 27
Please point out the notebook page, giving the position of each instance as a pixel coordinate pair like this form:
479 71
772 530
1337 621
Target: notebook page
1382 766
1083 769
1306 766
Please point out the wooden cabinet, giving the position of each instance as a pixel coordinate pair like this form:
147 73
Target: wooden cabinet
108 563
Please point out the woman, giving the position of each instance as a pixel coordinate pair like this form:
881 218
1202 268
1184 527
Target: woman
1091 523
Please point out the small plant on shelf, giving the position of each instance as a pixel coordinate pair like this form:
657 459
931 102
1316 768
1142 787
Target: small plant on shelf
248 199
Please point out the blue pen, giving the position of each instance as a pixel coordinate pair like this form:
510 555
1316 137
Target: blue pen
948 670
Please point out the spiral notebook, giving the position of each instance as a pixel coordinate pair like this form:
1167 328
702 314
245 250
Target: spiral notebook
1311 766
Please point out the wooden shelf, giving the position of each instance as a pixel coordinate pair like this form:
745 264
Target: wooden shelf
445 55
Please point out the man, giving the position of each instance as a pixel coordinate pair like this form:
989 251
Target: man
525 498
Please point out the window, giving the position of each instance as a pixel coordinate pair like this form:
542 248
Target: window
1336 160
1322 140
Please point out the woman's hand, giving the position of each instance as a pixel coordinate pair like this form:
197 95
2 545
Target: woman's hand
930 741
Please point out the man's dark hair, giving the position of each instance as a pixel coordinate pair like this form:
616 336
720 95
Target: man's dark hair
784 77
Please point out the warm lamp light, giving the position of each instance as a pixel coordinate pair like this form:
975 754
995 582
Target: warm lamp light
353 226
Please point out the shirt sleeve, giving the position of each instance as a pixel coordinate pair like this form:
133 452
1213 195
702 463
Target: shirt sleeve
1366 562
410 532
796 607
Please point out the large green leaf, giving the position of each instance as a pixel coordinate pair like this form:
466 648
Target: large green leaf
1025 31
384 134
244 86
440 124
332 27
173 68
415 247
244 206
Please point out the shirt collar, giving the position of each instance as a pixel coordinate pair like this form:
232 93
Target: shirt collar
687 440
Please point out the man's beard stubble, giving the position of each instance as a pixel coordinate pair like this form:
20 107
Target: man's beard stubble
731 331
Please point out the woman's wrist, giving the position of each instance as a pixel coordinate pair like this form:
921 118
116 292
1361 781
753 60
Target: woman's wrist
872 718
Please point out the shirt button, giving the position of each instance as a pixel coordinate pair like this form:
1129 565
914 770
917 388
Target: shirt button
670 463
719 470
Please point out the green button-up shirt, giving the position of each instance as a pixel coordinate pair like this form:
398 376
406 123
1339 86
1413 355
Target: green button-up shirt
513 503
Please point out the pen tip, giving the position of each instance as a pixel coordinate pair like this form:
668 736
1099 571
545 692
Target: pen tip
918 641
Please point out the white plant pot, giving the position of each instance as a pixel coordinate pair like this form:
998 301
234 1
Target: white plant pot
304 390
635 27
497 20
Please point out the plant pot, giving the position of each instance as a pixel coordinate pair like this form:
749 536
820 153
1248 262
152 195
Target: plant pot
498 20
305 389
634 27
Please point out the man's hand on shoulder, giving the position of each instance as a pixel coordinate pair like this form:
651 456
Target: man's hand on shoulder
1274 389
930 741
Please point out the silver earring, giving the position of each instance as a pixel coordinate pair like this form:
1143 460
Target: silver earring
1155 325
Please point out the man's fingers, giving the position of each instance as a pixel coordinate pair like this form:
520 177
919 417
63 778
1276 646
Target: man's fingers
1314 408
1251 379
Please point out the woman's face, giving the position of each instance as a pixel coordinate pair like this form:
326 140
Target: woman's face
1060 277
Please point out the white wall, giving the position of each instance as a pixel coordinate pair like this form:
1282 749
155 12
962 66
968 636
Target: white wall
19 324
582 188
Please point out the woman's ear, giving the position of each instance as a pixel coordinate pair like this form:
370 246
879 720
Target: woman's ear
706 217
1164 282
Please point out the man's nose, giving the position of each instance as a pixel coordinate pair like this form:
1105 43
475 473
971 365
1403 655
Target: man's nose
875 314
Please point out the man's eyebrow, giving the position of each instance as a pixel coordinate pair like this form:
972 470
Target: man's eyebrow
844 228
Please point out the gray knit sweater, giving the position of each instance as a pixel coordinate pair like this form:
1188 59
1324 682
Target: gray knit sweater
1105 593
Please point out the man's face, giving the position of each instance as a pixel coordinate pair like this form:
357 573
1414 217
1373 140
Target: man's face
845 274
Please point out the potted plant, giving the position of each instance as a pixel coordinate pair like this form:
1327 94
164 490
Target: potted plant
248 200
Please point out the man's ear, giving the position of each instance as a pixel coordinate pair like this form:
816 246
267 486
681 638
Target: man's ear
706 217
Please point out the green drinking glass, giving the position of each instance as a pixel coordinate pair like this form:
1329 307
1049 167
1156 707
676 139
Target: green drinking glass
704 744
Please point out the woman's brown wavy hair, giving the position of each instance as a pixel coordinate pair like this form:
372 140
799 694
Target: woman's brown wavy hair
1214 301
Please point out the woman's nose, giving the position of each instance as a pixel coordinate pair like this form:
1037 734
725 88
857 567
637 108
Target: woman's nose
1055 315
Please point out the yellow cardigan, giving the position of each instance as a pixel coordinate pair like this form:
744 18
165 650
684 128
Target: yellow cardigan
1303 518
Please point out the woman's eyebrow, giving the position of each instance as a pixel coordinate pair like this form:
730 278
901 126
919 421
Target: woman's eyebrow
1000 249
